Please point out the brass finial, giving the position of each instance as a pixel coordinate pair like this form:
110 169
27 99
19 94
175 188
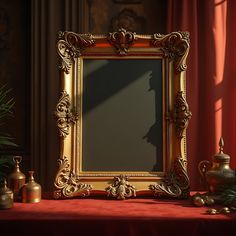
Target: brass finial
31 175
17 160
5 183
221 144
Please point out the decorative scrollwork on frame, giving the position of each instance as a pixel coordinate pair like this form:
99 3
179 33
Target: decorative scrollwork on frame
175 46
182 114
70 45
75 50
176 184
122 40
67 183
63 114
121 188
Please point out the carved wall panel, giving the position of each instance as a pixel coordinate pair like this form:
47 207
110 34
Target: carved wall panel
146 16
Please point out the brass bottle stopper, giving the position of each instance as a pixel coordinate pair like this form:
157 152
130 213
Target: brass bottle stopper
16 179
31 191
6 196
221 145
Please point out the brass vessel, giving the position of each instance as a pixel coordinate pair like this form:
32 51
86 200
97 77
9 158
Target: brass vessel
16 179
31 191
218 174
6 197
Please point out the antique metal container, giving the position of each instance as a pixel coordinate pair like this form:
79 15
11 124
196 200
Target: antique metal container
16 179
31 191
6 197
218 174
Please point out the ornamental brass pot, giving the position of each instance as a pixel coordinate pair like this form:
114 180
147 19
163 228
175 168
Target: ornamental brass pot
218 174
16 179
31 191
6 197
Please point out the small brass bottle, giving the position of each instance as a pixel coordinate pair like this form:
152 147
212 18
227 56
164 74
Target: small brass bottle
31 191
16 179
6 197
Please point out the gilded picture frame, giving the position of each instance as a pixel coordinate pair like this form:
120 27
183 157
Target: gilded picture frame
170 51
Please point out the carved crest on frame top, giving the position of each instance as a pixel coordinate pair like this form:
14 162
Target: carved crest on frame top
174 45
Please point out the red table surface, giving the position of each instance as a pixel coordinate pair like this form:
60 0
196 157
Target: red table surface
113 217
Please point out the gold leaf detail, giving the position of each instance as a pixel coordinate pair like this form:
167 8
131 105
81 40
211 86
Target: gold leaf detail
67 183
70 45
122 40
182 114
175 46
63 114
176 183
121 188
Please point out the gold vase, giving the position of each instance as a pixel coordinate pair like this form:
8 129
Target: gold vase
31 191
218 174
16 179
6 197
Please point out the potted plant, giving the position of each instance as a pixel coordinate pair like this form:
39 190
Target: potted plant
6 105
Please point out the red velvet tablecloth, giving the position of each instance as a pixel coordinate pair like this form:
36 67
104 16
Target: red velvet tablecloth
113 217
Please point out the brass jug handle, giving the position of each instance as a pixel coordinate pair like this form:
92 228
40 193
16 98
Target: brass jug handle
203 167
17 159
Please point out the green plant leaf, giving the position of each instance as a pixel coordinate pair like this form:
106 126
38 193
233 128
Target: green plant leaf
228 194
6 140
6 104
6 159
6 166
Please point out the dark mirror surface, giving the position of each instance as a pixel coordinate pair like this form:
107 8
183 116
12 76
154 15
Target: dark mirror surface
122 115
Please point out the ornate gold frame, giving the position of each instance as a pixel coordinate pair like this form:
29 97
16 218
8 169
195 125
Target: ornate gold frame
173 49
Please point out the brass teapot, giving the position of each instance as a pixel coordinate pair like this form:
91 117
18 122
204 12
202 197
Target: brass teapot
217 174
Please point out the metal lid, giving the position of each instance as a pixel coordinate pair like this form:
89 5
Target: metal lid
4 189
221 156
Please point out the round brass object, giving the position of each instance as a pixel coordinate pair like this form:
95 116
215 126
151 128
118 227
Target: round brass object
198 201
225 210
16 179
212 211
6 197
31 191
218 174
209 201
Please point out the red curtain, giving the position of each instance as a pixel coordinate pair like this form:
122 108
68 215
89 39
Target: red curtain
211 77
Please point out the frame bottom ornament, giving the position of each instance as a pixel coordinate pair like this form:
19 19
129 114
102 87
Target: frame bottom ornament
121 188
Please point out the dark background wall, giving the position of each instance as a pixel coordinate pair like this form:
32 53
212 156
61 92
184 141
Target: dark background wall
15 71
29 64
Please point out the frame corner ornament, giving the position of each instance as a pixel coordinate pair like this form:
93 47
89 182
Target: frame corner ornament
121 188
70 45
64 115
122 40
67 183
176 183
182 114
175 46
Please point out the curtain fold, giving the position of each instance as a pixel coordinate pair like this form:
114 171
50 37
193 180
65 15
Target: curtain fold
211 77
